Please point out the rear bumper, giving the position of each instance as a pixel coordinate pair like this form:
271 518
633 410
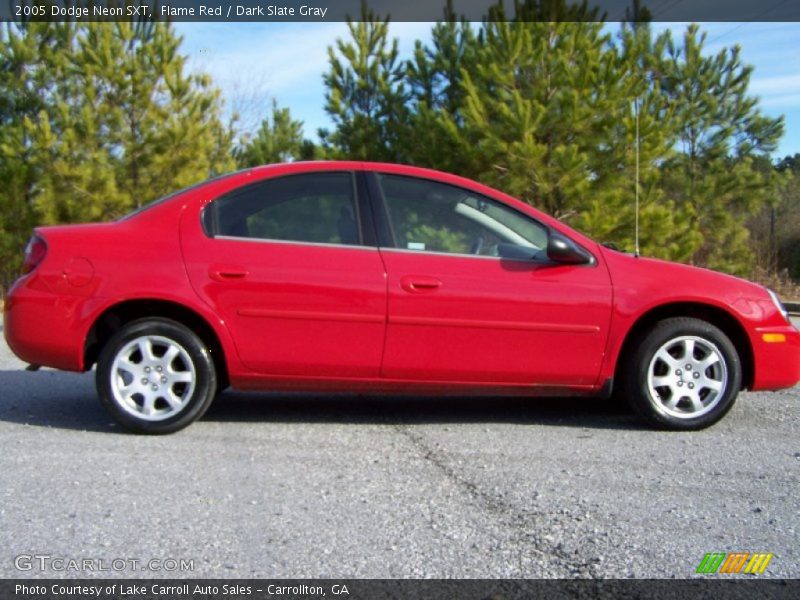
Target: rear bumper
40 327
777 364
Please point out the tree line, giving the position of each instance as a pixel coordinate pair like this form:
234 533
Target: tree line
98 118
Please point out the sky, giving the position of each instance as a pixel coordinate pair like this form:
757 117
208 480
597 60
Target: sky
252 63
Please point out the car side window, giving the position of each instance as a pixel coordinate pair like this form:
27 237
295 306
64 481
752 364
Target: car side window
435 217
309 207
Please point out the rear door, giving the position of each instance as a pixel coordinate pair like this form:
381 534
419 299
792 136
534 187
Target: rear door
290 269
460 312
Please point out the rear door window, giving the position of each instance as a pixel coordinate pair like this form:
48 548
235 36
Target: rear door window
315 208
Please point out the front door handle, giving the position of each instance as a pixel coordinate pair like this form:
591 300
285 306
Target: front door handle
227 272
419 284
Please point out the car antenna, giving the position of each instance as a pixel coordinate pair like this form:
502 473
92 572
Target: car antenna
636 210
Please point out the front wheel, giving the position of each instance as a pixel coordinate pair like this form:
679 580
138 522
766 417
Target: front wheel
155 376
684 374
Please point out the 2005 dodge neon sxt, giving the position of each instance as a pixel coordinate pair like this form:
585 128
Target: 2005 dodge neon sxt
353 276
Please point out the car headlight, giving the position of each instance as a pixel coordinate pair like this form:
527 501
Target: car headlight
778 304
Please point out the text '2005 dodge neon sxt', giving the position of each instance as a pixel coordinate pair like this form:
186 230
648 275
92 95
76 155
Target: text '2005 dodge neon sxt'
368 277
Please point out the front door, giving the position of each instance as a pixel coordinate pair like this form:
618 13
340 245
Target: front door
460 312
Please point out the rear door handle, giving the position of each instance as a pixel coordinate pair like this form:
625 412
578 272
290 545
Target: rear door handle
227 272
419 284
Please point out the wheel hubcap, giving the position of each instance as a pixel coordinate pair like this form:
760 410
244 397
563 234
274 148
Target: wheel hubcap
152 378
687 377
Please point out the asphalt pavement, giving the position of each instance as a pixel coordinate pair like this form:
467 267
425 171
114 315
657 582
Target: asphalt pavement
277 485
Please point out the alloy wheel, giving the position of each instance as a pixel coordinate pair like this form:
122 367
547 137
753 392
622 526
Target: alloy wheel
152 378
687 377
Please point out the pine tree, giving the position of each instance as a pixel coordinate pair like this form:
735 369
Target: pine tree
435 77
98 118
366 96
75 174
537 107
32 71
163 122
714 179
279 139
640 109
547 111
775 230
434 74
785 218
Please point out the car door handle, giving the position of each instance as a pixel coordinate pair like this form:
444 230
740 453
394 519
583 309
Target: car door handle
227 273
420 284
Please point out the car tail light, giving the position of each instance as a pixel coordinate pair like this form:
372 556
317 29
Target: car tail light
35 252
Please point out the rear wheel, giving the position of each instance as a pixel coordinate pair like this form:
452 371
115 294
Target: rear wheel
155 376
684 374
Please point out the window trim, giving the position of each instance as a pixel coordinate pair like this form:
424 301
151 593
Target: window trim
233 238
459 255
356 191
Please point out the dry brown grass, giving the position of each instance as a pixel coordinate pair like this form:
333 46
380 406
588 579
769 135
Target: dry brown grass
780 283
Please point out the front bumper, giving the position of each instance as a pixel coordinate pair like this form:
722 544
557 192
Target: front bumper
776 352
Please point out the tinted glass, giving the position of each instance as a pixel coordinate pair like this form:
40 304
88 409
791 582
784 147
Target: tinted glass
314 207
434 217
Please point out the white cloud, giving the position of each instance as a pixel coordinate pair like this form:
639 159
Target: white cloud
781 84
254 62
279 57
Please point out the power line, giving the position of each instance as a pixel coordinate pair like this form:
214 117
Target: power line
740 25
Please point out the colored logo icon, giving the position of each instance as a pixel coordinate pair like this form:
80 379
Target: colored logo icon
735 562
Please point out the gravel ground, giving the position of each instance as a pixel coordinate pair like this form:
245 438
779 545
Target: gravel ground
275 486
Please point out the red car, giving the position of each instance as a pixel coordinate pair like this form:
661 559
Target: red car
354 276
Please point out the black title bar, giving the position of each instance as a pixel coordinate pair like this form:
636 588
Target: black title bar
398 10
394 589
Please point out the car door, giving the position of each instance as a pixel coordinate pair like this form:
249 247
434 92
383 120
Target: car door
285 263
459 311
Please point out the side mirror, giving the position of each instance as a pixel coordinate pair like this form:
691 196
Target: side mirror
563 250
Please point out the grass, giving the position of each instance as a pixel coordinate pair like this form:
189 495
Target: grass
787 289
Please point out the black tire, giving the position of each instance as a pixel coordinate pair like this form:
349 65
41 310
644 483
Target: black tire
183 388
714 364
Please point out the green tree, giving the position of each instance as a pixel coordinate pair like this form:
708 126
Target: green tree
366 95
715 180
125 124
434 73
538 104
32 72
279 139
435 77
547 109
162 124
638 132
98 118
778 226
